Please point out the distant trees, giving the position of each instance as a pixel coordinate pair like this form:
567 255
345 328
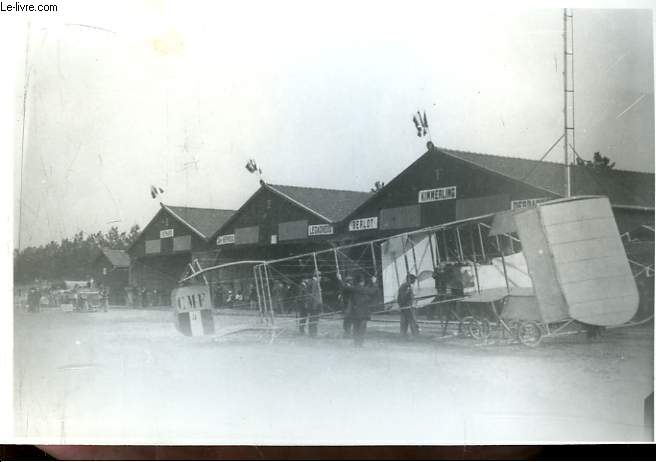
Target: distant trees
69 259
378 185
598 162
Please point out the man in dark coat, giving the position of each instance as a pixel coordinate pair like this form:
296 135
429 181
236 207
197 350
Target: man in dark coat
252 297
405 299
33 298
345 299
360 300
315 304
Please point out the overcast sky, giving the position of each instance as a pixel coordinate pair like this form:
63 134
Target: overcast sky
182 94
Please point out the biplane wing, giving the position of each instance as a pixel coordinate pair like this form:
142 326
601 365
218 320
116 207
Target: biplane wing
463 242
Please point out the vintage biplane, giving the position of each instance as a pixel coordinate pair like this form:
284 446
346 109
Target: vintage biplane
555 268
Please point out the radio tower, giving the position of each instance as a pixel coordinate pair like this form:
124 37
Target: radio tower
568 87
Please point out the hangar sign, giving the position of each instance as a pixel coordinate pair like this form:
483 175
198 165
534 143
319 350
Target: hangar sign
320 230
362 224
225 239
437 194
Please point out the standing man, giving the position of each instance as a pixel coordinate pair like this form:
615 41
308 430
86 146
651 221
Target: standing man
31 295
104 298
359 298
347 306
405 299
315 304
252 297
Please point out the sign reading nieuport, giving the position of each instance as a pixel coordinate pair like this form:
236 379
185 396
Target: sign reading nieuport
225 239
165 233
362 224
437 194
320 230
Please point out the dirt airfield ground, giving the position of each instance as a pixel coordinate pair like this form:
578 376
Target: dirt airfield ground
127 376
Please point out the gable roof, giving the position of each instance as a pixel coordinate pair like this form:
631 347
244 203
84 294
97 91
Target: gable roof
623 187
118 258
332 205
204 221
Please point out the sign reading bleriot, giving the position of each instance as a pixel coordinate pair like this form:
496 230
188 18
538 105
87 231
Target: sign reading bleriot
166 233
437 194
524 203
225 239
320 230
362 224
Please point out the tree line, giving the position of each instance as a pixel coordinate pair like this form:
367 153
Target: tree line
70 259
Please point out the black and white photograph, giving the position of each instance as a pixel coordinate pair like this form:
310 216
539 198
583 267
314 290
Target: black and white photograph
328 223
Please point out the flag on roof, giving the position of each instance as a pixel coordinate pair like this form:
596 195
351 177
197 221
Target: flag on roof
252 167
417 125
155 191
421 124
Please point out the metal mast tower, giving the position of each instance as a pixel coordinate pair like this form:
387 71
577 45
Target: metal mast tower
568 87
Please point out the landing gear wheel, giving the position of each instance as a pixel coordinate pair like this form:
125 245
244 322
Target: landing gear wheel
479 328
529 334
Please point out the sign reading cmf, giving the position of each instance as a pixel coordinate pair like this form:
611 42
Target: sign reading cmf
192 298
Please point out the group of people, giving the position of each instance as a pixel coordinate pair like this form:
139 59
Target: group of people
450 283
356 299
34 300
225 296
359 295
142 297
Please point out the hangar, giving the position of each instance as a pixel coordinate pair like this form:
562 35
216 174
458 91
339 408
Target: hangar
444 185
174 238
111 268
278 221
